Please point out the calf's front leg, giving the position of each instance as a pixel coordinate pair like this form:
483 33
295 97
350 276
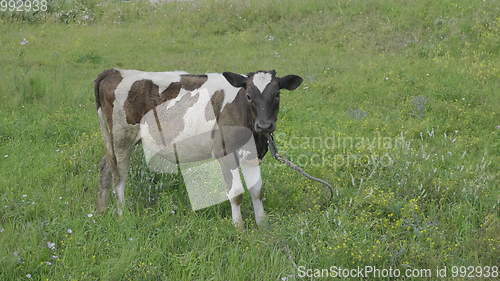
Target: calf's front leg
232 178
253 180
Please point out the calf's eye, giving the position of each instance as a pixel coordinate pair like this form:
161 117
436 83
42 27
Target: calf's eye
249 98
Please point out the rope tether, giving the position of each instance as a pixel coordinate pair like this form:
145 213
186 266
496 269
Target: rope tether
277 156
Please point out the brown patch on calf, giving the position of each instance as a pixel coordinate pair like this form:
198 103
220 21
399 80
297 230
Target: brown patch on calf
235 113
192 82
171 92
237 199
233 122
214 106
144 96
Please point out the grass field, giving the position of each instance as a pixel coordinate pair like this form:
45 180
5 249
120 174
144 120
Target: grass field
399 110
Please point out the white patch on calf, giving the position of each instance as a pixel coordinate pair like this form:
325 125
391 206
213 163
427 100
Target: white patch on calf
236 189
261 80
247 156
243 154
152 150
195 123
216 82
253 181
148 142
178 98
252 176
236 185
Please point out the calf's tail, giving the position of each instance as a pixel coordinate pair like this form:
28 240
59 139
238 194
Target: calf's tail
103 122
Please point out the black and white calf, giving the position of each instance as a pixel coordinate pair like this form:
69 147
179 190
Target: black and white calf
185 118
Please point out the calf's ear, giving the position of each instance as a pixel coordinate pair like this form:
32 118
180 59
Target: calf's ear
290 82
235 79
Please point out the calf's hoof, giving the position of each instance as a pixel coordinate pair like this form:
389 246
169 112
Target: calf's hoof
263 223
239 225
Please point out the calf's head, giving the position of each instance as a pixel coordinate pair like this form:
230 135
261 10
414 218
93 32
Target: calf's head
262 92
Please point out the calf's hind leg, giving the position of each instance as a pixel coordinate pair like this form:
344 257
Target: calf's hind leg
122 165
105 184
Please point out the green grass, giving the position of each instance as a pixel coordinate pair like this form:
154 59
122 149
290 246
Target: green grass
421 77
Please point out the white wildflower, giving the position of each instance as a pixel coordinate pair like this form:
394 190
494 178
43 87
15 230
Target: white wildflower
69 230
51 245
90 215
28 276
24 42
